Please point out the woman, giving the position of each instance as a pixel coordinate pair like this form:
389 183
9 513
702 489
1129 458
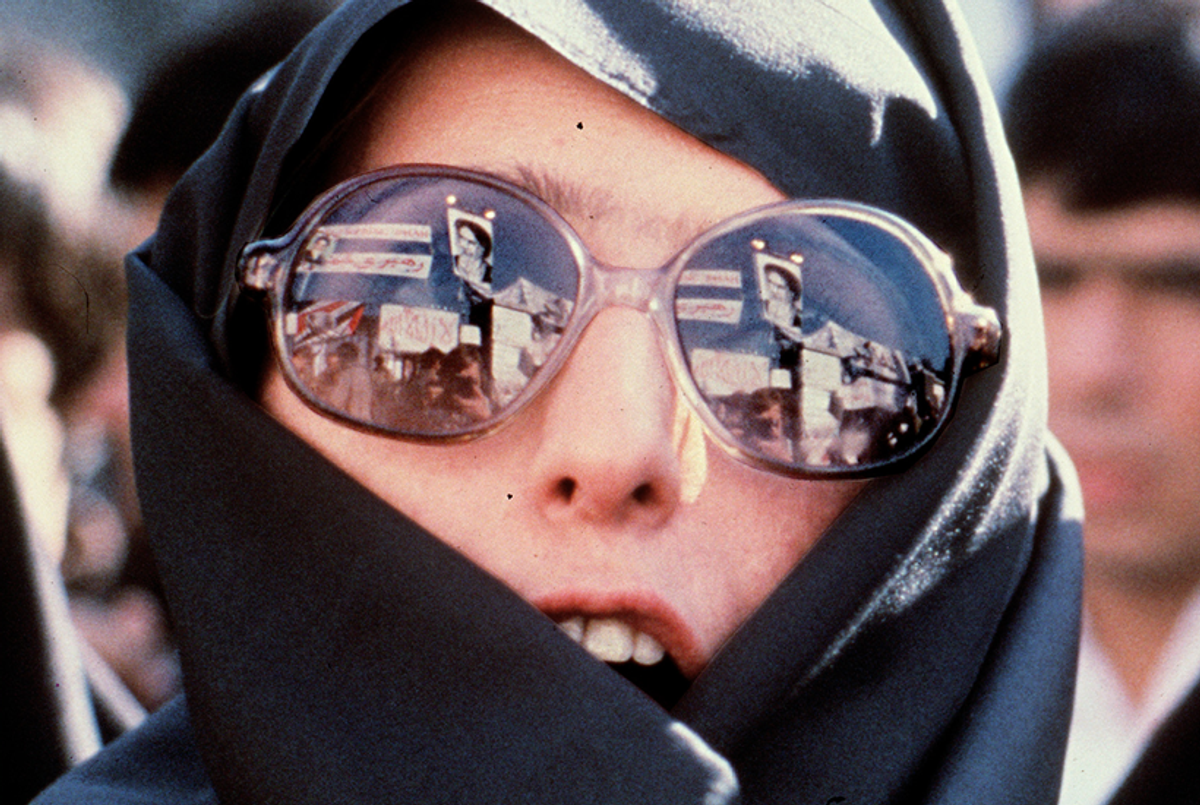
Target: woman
394 614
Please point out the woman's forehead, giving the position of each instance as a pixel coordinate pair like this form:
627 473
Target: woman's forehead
499 101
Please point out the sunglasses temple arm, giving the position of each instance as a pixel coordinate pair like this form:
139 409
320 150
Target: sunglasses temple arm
977 331
257 267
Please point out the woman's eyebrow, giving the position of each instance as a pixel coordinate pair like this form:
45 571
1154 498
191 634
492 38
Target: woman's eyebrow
569 199
580 202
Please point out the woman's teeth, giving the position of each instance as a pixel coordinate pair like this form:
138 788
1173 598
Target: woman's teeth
612 640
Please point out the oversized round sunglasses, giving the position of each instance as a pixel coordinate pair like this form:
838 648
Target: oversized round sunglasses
813 338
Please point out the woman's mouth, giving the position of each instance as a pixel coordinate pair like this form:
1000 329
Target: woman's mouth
612 640
634 654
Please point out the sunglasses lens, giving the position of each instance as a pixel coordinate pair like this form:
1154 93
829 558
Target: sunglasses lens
426 306
817 341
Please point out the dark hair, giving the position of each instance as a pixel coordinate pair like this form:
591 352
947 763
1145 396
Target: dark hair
792 282
481 234
26 240
1109 107
72 297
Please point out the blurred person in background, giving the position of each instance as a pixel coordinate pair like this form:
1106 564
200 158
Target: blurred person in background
1104 123
61 294
178 113
59 120
64 430
58 700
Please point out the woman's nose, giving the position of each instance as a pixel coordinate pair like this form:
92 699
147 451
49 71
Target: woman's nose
608 455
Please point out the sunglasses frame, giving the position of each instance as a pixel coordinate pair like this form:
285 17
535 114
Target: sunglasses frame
266 267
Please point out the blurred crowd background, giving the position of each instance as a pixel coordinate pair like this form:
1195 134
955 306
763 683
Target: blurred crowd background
103 104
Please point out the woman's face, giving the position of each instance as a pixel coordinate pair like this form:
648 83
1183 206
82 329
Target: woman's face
603 503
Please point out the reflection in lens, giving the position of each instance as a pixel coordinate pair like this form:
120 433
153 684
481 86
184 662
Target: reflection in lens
816 341
426 306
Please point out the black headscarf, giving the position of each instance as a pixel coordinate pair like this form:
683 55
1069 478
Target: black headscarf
333 651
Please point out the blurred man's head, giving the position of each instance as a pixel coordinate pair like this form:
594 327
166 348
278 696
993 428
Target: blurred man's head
1104 125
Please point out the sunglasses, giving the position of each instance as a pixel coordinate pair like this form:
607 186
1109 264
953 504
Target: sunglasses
817 339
